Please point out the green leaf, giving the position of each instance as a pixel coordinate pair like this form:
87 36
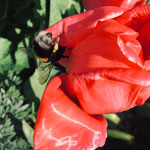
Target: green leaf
33 90
18 30
59 9
28 51
6 62
113 117
21 61
120 135
4 48
20 57
28 132
24 43
13 108
41 11
148 2
30 23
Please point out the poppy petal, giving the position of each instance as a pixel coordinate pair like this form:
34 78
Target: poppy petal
74 29
112 45
144 38
145 94
115 87
126 40
133 76
138 19
126 5
147 65
117 91
135 17
61 124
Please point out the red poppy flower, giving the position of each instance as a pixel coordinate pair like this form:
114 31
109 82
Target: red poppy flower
124 4
61 124
108 71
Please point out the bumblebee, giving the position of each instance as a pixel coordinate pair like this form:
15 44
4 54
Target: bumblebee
48 52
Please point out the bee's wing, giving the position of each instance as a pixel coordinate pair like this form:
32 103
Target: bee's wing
44 72
28 51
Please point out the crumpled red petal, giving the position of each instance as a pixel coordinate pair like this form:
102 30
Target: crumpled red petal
144 94
147 65
126 39
107 70
138 19
74 29
112 45
61 124
124 4
110 91
135 17
144 38
133 76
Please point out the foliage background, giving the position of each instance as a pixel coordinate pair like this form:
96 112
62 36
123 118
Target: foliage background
20 92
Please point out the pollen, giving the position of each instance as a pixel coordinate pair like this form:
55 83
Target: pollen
55 47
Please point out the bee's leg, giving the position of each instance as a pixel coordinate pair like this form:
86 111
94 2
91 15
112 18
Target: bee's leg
61 67
57 40
64 56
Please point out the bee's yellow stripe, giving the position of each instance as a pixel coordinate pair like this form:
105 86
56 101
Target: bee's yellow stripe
42 59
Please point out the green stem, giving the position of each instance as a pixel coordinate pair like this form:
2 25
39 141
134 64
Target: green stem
47 18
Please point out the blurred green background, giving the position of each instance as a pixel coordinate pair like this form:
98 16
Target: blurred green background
20 91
